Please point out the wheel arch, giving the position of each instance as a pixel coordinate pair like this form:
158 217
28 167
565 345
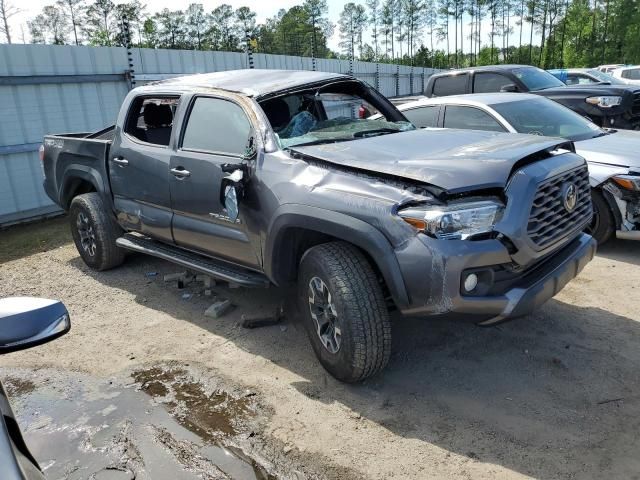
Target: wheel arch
296 228
78 180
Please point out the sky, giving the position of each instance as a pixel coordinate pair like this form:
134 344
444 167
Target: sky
263 8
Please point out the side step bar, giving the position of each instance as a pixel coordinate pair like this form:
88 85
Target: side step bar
193 261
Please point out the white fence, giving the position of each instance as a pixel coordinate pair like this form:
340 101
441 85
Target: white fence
55 89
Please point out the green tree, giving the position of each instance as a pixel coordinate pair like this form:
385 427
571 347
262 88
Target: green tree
352 22
171 31
99 22
50 26
72 9
197 24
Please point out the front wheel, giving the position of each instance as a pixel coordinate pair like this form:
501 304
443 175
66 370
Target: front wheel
344 311
602 224
95 232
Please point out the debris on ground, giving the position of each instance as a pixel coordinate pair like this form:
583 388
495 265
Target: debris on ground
206 280
269 321
219 308
187 296
174 277
151 274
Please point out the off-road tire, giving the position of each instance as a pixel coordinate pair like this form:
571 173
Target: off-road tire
603 223
359 302
104 228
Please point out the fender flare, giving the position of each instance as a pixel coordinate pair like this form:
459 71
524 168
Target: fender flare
72 174
338 225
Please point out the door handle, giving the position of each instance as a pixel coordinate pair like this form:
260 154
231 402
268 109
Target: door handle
123 162
180 172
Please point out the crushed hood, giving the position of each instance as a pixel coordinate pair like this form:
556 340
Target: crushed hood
454 160
621 148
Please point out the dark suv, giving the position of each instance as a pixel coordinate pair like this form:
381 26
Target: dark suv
605 105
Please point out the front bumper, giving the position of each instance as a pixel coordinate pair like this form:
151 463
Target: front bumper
439 291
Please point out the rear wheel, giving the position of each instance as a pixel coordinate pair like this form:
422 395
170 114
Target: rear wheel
344 311
602 224
95 232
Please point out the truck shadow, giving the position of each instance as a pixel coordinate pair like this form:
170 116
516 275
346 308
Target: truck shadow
553 395
621 250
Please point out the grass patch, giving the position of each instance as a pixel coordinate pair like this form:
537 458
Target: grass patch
21 241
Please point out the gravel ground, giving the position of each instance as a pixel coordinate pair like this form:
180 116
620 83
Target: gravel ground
553 395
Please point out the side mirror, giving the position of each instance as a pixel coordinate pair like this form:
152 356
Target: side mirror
231 202
232 188
510 87
26 322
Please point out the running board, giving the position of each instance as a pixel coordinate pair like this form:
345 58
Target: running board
193 261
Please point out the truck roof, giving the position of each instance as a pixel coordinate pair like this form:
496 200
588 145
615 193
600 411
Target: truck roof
250 82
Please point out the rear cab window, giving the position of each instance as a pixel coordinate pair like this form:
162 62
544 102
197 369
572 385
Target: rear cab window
450 85
216 125
150 119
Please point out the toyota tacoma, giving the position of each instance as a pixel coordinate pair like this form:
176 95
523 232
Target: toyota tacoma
262 177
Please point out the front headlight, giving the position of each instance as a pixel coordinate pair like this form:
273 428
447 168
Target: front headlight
605 101
456 221
628 182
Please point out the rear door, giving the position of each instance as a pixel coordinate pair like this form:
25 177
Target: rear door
215 132
139 166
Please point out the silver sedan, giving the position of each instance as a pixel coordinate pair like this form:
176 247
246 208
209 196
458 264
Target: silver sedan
613 155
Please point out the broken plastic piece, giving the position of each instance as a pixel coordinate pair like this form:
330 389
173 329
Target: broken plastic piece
219 308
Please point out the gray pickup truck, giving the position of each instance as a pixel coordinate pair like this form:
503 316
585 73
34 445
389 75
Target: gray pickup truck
271 177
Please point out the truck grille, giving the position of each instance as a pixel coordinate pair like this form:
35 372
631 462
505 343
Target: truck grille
550 220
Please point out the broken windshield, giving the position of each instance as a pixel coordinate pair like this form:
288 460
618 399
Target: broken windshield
334 113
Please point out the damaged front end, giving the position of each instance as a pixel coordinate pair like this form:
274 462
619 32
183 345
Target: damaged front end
623 194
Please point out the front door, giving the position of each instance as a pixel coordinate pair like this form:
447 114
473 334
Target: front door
216 132
139 167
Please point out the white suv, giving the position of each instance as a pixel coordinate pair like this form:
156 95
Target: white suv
630 75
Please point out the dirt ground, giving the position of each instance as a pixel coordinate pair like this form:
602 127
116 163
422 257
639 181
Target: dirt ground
554 395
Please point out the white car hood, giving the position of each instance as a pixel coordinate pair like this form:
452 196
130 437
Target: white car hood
617 153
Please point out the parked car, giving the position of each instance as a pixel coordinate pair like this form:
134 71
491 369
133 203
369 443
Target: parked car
606 105
584 76
24 323
612 155
265 177
628 75
609 68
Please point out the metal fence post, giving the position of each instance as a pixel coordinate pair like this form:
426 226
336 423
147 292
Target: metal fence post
130 74
422 92
411 81
378 76
249 49
397 80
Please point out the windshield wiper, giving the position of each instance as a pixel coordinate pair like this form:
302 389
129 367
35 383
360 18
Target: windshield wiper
375 133
319 142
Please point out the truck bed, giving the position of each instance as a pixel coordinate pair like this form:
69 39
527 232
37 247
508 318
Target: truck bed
84 153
